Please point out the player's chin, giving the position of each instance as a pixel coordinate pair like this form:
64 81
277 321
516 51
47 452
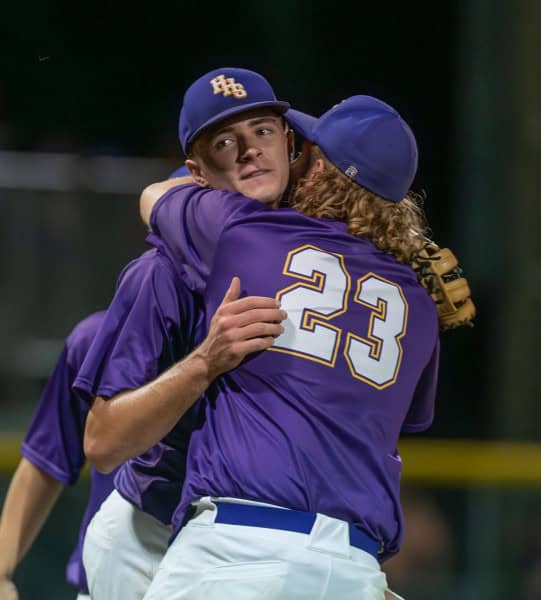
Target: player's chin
267 192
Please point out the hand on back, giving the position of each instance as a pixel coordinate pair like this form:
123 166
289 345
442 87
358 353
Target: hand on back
239 327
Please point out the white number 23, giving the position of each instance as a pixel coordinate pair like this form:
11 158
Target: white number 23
322 294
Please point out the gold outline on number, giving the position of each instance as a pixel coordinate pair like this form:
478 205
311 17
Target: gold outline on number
312 318
375 343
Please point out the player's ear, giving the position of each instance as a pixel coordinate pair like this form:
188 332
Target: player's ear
299 167
317 166
196 172
291 145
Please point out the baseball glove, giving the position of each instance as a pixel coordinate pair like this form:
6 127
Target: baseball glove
439 272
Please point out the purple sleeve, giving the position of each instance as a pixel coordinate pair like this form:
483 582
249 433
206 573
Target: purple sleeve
54 440
190 219
137 329
421 411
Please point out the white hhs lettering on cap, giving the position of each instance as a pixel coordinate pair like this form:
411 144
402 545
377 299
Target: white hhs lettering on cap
228 87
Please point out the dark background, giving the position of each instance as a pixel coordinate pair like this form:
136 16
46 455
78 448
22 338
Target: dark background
108 78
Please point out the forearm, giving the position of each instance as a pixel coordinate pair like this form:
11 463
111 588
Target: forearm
152 194
30 497
132 422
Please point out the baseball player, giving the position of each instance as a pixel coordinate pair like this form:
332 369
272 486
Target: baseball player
292 482
127 354
52 457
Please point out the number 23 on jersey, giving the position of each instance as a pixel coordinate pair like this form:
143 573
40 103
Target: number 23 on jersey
324 292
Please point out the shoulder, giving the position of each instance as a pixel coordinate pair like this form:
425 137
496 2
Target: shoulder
152 265
81 336
155 281
216 203
190 192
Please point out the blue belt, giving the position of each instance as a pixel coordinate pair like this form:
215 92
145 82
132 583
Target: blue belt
249 515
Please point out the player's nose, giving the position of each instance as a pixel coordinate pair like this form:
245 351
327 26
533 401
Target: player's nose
248 149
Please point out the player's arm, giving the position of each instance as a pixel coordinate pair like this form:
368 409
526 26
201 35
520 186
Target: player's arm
8 591
31 495
52 456
153 192
421 411
129 423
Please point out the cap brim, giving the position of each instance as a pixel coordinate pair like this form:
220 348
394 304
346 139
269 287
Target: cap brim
301 122
277 105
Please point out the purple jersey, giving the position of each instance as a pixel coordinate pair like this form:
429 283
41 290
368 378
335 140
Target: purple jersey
54 441
151 323
313 423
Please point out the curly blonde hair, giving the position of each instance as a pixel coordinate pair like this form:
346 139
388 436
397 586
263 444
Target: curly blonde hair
399 228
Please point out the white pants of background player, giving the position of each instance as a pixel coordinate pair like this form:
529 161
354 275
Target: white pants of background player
216 561
122 550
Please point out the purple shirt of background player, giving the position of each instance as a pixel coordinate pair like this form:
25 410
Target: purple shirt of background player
152 322
318 385
54 441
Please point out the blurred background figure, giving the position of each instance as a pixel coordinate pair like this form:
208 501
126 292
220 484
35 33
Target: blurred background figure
423 569
533 581
52 458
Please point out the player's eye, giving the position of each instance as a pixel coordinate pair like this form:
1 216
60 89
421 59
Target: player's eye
222 143
262 131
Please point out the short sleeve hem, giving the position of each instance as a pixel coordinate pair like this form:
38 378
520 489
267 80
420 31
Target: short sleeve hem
84 387
416 427
39 461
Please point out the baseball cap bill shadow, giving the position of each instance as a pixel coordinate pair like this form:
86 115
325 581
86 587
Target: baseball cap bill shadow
367 140
220 94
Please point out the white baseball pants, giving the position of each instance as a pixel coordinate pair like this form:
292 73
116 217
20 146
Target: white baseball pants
217 561
122 550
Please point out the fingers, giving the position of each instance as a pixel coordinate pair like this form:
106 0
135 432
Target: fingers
252 323
246 307
249 303
241 326
232 293
260 330
268 315
242 349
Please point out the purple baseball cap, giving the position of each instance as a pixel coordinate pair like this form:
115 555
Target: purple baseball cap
220 94
367 140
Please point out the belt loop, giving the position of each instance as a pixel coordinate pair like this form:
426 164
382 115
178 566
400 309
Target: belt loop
330 536
205 511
